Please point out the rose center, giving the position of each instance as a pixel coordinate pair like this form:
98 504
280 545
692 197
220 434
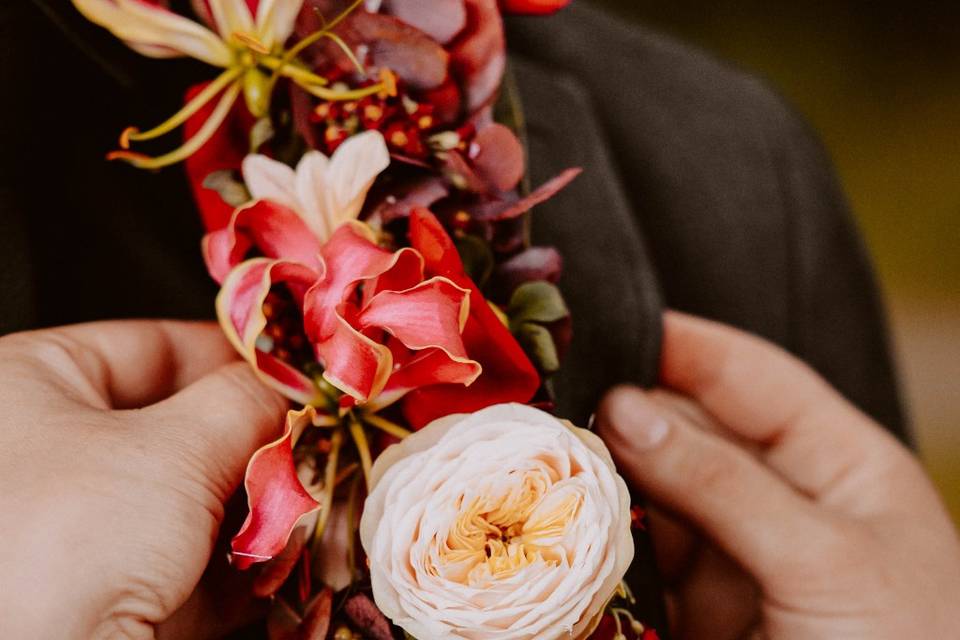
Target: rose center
497 535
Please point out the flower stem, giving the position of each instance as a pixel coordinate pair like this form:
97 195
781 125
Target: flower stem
329 484
363 448
386 425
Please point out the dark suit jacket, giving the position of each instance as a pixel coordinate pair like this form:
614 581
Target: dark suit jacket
703 191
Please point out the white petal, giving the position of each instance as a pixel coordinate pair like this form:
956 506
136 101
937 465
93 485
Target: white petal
313 183
268 179
231 16
353 168
155 31
276 19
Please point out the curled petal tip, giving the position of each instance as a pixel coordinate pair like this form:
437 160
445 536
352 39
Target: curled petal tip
126 135
130 157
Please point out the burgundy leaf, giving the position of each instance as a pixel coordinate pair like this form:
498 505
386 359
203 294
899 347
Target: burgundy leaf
508 209
498 158
535 263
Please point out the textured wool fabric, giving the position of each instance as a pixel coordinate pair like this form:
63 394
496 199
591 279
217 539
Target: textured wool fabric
703 191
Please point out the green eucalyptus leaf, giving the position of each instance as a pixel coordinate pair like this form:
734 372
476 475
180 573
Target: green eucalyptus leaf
538 342
477 258
232 190
538 301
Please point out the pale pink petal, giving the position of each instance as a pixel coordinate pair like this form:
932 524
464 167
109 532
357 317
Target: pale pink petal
267 179
232 16
313 189
354 167
275 20
155 31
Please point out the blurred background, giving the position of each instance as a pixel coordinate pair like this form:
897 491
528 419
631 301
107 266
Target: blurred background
880 81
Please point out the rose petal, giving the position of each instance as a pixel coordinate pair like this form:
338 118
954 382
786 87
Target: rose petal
440 19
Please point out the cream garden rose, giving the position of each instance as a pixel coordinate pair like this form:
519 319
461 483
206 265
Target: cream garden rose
504 524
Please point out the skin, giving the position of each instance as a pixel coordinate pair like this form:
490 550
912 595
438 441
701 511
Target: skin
120 443
780 510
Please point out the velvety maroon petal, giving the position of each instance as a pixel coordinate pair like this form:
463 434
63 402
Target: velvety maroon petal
275 495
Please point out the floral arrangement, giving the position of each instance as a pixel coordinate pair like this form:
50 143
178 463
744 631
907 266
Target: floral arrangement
359 167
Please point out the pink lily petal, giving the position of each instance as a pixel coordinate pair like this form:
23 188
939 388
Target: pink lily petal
240 311
354 363
431 314
349 257
275 495
426 368
272 228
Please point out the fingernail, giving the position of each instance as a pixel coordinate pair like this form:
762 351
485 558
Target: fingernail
636 420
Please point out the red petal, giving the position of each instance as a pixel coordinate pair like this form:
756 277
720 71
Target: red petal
240 311
508 375
533 7
508 210
350 257
275 495
426 368
431 314
275 230
354 363
439 253
224 150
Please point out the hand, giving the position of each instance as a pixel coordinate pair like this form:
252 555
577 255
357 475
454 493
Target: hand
119 444
781 511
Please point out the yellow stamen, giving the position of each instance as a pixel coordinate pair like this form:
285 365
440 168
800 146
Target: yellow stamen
389 81
251 42
198 102
347 51
206 132
385 425
332 94
292 71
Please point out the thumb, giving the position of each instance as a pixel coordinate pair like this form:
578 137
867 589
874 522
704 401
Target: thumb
219 422
708 480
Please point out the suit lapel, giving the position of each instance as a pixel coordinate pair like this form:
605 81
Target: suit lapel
609 282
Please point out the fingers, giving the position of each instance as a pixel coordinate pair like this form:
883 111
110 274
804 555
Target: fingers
812 436
747 510
130 363
218 422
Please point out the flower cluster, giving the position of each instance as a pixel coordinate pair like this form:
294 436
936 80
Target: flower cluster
365 218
